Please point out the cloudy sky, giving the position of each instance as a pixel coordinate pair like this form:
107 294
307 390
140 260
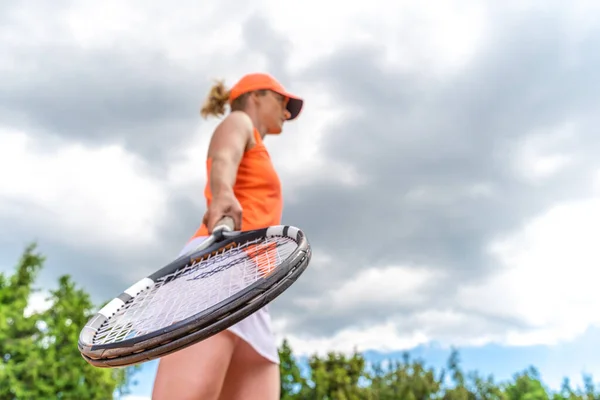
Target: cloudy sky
444 167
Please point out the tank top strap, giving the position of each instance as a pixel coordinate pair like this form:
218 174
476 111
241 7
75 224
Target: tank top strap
257 138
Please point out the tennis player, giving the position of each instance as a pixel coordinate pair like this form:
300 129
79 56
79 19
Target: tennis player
241 362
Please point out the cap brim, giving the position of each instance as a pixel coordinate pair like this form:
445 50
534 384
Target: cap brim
294 106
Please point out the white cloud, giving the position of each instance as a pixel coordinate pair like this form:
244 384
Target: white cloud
384 337
184 36
541 155
89 196
549 275
297 153
373 287
447 195
439 39
188 172
547 279
380 286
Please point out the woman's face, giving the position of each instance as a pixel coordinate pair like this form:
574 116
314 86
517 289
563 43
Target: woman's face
273 112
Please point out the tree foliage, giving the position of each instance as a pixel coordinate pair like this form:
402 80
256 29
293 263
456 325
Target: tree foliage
38 350
341 377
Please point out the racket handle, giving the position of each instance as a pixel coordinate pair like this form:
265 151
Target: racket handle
225 224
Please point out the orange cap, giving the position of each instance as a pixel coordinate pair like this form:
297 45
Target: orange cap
260 81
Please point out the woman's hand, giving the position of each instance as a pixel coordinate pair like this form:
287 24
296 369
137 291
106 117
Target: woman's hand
223 204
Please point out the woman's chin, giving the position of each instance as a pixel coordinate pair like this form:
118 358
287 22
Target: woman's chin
275 130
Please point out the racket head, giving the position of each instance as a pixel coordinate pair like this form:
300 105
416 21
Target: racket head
124 348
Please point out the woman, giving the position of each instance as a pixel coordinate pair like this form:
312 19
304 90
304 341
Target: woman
241 362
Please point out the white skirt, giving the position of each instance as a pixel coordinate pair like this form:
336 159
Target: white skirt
255 329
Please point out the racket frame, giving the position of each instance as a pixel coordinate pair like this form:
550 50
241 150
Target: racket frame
206 323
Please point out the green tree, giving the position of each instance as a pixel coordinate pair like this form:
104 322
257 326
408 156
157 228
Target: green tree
471 385
406 379
40 359
340 377
335 376
527 385
588 392
484 388
293 384
18 333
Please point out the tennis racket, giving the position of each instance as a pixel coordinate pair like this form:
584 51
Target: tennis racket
228 277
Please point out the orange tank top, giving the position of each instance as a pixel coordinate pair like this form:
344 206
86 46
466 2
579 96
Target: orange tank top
257 188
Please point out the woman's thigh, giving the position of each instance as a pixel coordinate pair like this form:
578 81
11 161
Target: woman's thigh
250 376
196 372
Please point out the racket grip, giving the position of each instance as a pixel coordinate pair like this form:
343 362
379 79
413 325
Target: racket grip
225 224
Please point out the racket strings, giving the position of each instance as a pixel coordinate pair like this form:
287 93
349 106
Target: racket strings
196 287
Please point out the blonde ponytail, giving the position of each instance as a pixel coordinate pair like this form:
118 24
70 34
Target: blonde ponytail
216 101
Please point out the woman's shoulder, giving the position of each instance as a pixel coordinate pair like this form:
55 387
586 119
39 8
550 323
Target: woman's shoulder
237 126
